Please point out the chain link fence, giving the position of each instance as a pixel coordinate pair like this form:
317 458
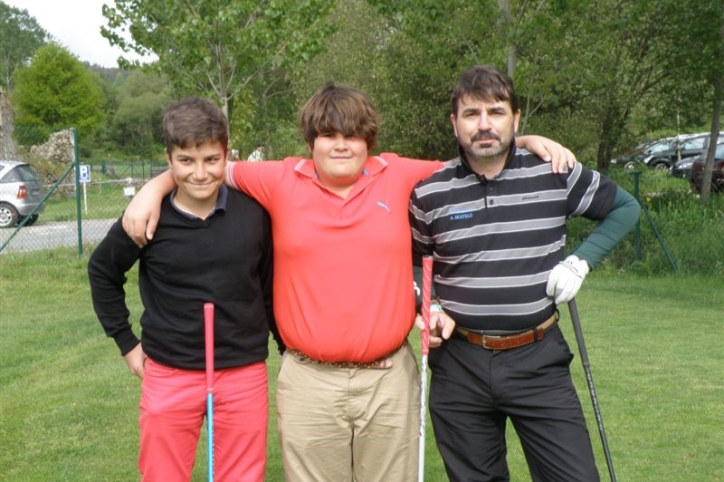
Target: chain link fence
81 205
82 198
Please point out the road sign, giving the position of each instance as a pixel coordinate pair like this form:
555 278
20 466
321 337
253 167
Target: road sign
84 173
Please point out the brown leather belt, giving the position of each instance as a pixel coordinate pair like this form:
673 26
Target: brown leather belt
499 343
380 363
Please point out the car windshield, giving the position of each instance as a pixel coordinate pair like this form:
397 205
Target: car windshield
659 146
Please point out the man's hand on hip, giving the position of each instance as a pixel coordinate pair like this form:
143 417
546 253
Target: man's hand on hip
566 278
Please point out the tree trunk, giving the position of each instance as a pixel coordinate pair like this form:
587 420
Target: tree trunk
714 136
713 140
511 58
610 131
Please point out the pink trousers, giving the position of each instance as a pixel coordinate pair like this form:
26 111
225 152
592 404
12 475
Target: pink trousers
173 407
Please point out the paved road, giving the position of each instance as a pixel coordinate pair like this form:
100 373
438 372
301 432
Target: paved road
48 235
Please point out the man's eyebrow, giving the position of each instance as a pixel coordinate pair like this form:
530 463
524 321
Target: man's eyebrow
497 108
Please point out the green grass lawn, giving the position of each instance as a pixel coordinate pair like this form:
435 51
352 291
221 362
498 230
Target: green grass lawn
100 201
68 405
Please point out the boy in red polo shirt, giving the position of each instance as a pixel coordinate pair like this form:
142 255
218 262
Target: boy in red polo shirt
347 392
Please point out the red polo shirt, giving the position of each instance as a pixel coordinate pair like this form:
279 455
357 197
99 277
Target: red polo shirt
343 287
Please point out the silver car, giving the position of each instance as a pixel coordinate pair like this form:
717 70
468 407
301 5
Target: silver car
20 192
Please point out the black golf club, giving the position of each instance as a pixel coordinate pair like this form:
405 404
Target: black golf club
591 388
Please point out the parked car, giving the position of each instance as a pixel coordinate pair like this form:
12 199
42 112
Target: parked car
633 156
680 148
646 151
717 175
20 193
682 168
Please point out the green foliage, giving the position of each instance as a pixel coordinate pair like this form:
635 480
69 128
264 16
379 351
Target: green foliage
424 46
219 48
57 91
136 126
678 229
597 75
20 37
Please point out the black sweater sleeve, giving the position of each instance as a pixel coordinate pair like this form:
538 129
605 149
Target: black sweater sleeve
266 271
107 269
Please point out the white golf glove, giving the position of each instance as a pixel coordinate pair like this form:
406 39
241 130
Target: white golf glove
566 278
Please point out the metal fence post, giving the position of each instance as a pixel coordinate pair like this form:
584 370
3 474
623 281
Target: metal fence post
79 218
637 235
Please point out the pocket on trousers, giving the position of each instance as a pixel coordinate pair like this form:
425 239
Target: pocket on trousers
566 355
154 369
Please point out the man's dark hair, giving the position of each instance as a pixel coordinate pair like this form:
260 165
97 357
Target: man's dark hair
485 82
192 122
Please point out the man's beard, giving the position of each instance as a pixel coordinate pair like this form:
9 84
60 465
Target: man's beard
492 152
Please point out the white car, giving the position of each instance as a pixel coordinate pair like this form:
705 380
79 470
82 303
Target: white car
21 192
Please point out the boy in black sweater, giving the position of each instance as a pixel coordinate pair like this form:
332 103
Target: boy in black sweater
212 245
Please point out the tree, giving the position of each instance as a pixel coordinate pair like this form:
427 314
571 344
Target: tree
353 55
219 48
697 56
56 91
136 126
582 68
20 37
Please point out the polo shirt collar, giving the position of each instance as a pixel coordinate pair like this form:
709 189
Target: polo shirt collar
219 207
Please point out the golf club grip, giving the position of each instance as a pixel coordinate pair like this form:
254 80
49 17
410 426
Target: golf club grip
426 301
209 344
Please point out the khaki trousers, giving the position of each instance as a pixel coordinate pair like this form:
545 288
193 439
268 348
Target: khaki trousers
349 425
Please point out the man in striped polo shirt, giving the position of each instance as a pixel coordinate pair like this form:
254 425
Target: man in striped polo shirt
495 221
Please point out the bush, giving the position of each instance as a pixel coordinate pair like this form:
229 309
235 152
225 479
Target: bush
674 228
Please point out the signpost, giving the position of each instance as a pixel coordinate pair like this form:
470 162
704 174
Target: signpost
84 177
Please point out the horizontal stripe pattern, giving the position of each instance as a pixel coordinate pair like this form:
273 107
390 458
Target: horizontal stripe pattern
495 241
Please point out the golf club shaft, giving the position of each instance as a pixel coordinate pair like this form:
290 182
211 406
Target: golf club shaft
591 388
425 349
209 344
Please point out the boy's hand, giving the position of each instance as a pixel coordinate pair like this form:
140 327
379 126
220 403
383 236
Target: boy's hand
136 359
561 158
141 216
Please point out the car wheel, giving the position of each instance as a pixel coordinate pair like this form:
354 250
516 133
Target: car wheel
660 166
8 215
630 165
31 220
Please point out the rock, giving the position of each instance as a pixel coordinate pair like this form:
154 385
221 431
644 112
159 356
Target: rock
58 148
7 146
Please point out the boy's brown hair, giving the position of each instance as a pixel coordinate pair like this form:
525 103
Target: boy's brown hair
339 109
192 122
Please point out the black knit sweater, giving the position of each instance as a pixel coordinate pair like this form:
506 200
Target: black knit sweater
225 259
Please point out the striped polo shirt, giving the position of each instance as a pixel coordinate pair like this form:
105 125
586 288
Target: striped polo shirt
495 241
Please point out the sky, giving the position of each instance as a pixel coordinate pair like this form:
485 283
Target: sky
76 25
